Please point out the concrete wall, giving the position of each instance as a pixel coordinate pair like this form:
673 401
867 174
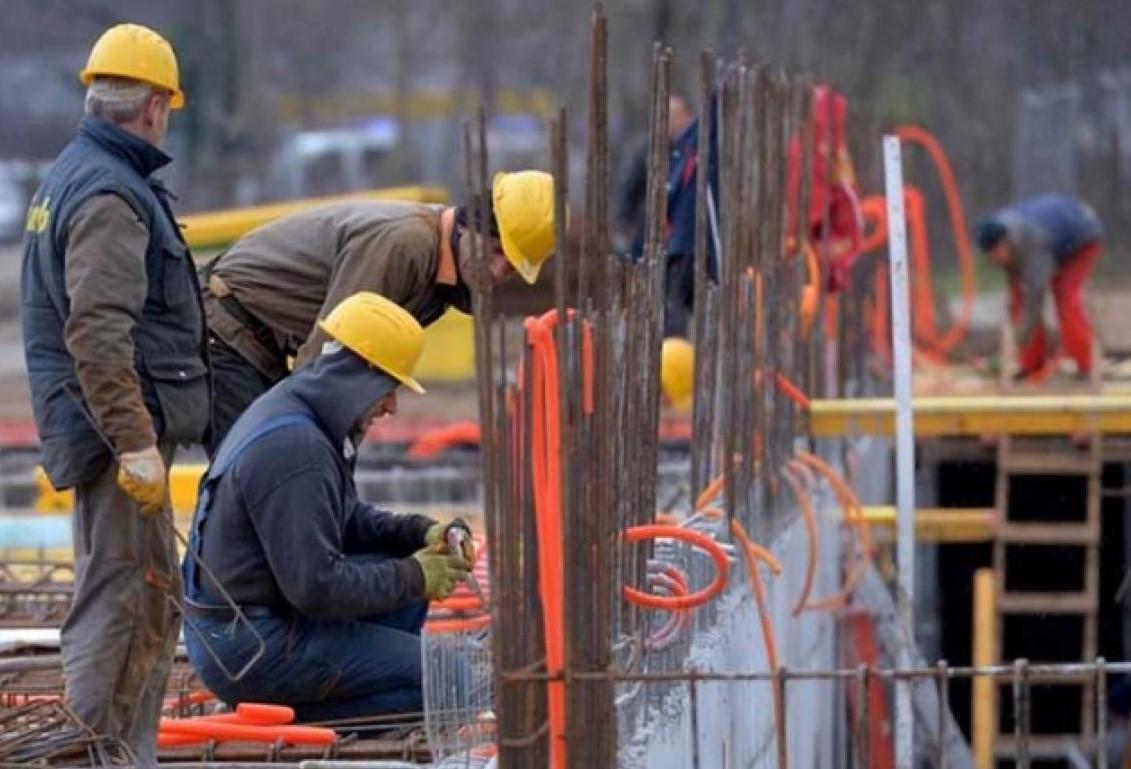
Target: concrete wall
735 719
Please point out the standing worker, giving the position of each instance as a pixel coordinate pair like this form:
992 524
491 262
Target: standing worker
336 588
263 295
1050 239
116 357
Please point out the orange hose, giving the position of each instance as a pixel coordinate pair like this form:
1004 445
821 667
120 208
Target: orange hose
853 514
446 626
254 714
218 730
434 442
698 539
752 552
791 391
921 137
810 520
545 466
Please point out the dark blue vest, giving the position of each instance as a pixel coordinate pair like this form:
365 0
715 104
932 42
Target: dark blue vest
170 353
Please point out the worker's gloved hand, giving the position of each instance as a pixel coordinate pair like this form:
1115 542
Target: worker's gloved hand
442 572
141 474
440 537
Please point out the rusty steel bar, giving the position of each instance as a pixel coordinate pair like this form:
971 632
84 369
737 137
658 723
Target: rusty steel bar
1021 713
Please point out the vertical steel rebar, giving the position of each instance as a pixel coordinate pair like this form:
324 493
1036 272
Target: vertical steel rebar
941 736
1021 712
1101 713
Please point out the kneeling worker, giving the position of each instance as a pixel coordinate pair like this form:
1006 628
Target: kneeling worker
337 588
263 295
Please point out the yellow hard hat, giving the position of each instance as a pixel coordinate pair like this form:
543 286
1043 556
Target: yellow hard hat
138 53
380 331
677 372
524 209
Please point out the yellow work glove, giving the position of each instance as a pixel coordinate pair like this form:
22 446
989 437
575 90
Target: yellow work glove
141 474
440 537
442 572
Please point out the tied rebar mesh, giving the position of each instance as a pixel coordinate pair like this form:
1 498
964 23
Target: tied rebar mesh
459 713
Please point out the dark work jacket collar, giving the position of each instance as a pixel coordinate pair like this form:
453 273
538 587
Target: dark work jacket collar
144 157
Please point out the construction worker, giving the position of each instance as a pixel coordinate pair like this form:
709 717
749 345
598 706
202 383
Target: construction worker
117 365
677 373
1047 240
336 588
633 195
263 295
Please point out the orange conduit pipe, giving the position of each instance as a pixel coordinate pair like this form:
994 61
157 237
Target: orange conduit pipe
220 731
752 554
435 442
853 515
676 602
457 625
811 539
546 469
923 138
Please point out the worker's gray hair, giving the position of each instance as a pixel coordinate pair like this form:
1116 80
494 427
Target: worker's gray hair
117 99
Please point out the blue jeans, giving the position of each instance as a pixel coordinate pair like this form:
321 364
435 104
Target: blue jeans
325 669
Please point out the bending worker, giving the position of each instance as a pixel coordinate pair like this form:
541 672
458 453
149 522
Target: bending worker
337 589
117 365
1051 239
263 295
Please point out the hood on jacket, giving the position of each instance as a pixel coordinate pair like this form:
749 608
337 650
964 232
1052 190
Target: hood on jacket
339 387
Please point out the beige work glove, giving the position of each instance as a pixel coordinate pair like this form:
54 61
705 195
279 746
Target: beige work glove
442 572
141 474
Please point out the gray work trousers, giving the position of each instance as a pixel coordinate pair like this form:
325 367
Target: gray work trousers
120 635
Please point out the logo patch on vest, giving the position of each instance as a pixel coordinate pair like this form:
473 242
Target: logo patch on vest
39 216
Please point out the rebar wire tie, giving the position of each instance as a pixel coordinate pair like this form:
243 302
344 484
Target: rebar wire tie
164 581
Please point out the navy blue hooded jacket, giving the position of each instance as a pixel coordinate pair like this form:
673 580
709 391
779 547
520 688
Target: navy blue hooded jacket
283 525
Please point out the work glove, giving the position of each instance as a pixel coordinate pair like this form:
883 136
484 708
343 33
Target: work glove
442 572
141 474
441 536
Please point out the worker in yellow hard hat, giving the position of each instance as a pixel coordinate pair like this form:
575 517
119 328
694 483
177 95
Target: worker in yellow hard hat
113 334
337 589
677 373
264 293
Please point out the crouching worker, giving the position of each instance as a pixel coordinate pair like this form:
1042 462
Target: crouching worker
337 588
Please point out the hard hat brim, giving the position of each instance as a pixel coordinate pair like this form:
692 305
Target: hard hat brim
176 98
523 266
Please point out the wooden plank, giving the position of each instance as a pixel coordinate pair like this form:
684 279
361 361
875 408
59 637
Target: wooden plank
1046 603
1047 533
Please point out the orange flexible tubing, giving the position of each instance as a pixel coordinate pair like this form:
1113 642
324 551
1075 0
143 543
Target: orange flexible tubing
810 520
218 730
853 515
446 626
692 600
960 327
791 391
545 466
752 553
254 714
435 442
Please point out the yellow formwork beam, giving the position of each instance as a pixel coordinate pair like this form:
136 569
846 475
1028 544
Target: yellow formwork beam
215 229
183 482
983 698
982 415
940 525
